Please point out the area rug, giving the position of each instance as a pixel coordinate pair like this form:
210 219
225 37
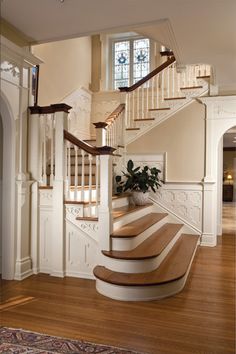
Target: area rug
18 341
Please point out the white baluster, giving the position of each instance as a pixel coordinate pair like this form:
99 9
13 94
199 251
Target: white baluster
137 103
157 92
133 107
52 149
82 175
173 80
97 182
76 172
41 151
147 97
152 92
44 152
66 184
162 85
142 99
90 158
69 164
168 81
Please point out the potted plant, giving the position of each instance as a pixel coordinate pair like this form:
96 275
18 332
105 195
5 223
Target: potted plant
139 182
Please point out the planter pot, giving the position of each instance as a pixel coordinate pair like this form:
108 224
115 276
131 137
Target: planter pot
140 198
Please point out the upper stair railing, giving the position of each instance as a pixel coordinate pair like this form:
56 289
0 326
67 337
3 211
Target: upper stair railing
153 91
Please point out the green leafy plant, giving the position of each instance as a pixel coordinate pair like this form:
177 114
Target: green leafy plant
137 179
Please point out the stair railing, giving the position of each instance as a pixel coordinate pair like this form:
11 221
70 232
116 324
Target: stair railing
152 92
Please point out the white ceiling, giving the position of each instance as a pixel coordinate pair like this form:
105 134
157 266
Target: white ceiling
201 31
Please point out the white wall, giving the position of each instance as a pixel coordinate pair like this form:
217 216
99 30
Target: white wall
182 137
66 67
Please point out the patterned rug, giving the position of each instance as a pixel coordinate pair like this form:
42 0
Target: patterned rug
18 341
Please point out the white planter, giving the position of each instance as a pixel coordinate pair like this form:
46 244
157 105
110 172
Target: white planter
140 198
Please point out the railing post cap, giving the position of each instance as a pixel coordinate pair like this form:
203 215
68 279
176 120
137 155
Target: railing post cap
100 125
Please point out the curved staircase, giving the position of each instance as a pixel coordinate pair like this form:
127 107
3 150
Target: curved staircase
150 257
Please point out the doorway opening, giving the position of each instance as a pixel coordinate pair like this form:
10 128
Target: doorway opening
1 177
229 182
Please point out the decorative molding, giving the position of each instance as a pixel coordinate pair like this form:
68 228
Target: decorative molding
184 201
45 197
73 210
81 253
155 160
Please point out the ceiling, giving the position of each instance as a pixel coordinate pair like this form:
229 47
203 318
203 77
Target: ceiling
202 31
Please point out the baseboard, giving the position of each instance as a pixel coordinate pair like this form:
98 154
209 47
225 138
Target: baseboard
23 268
57 273
208 240
80 275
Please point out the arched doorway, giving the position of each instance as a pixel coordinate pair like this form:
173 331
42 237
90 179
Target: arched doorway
8 190
229 182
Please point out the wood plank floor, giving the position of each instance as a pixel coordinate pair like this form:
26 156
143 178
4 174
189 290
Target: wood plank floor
199 320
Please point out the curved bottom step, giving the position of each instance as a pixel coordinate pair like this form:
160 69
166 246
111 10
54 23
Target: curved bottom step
168 279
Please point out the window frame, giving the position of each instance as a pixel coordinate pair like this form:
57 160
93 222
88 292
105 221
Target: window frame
131 39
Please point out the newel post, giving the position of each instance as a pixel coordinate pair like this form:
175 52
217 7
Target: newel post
100 133
58 235
105 208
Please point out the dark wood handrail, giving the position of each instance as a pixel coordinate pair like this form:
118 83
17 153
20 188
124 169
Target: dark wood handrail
93 150
115 114
148 76
53 108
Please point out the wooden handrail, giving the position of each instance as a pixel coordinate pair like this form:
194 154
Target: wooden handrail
115 114
53 108
148 76
93 150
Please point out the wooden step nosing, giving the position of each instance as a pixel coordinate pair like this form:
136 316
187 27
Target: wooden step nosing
150 256
159 109
190 87
174 98
132 129
137 233
194 246
144 119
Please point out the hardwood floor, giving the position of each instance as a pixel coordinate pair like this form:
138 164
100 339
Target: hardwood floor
199 320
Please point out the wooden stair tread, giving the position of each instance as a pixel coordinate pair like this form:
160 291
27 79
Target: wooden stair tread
120 196
190 87
159 109
143 119
87 218
203 77
93 202
151 247
127 209
174 98
173 267
136 227
132 129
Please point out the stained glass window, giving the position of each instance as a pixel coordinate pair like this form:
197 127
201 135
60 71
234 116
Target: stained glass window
121 64
131 61
141 59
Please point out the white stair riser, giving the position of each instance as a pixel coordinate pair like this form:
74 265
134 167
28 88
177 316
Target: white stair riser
138 266
142 293
129 243
120 202
127 218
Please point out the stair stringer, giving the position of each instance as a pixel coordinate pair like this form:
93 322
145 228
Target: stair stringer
174 218
131 136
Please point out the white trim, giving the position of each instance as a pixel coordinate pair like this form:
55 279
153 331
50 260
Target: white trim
8 192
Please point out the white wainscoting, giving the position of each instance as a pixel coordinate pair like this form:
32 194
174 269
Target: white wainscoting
45 230
79 117
183 200
155 160
81 252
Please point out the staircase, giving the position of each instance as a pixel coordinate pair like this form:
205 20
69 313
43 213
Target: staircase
135 253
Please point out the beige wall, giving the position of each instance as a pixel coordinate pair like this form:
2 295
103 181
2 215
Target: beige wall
67 66
96 63
182 137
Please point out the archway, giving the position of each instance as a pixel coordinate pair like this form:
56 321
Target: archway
8 190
